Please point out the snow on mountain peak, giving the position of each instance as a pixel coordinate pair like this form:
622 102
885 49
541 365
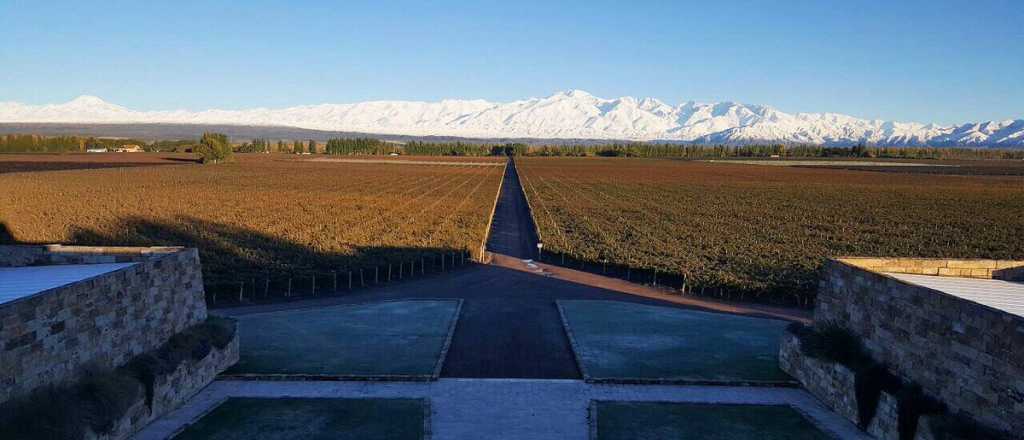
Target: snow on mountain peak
570 114
577 93
87 100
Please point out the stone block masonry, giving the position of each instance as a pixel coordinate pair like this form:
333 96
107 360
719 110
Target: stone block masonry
1009 270
47 337
42 255
967 355
171 391
833 384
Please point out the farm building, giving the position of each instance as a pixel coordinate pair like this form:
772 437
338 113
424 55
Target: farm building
129 149
68 312
955 328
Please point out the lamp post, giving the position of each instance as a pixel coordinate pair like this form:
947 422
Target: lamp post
540 250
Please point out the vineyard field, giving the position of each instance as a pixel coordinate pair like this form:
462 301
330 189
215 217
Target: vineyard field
31 162
263 215
760 233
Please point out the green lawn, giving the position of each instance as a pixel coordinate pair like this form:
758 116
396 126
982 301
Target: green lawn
625 341
312 419
683 421
395 338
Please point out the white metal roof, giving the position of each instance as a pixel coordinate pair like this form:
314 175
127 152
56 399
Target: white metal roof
18 282
1007 296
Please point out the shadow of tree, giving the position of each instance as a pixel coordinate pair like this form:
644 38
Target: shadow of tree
6 236
182 159
236 258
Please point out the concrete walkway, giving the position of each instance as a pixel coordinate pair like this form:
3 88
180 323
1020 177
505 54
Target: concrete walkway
529 409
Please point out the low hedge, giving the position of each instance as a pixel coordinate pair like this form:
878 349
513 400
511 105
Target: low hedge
194 343
102 397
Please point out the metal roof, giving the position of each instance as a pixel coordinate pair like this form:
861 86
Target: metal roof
1007 296
19 282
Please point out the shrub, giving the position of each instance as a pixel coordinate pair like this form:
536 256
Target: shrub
146 368
97 401
100 398
105 397
214 148
46 414
194 343
219 331
833 343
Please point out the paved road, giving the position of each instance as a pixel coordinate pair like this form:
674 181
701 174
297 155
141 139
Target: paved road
512 232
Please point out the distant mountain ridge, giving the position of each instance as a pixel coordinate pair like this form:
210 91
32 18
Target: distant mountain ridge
573 114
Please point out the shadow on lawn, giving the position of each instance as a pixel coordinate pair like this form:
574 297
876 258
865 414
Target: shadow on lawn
243 263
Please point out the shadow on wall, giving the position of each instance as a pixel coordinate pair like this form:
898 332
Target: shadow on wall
261 265
6 236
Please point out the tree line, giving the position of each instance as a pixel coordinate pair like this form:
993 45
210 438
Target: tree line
28 143
767 151
370 146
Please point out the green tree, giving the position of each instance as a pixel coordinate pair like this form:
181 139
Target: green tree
312 146
297 147
214 148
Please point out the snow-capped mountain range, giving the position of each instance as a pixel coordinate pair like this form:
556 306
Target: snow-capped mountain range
573 114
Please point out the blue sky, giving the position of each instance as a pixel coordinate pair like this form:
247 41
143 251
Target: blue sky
929 61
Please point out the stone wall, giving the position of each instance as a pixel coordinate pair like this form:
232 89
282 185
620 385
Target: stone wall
836 387
173 390
50 254
1009 270
833 384
170 391
47 337
969 356
885 425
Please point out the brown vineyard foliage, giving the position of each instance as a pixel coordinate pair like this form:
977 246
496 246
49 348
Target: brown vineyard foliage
265 215
761 232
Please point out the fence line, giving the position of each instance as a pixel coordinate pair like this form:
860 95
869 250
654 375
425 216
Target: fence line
249 289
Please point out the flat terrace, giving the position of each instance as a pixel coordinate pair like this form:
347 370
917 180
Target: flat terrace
1007 296
21 282
997 284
